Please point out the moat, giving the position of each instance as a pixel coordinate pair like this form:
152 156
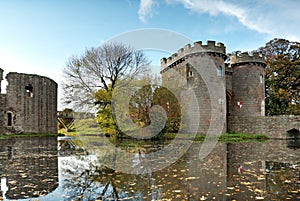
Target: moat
51 168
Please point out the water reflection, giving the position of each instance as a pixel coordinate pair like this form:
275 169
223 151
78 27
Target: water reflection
241 171
28 167
267 167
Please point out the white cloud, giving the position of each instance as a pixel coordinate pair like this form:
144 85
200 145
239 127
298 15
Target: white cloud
275 18
145 9
215 7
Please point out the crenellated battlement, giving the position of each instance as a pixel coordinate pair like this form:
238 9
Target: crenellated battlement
198 47
245 57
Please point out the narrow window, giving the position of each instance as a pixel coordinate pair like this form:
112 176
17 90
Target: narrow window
9 119
262 108
261 79
29 90
190 74
220 71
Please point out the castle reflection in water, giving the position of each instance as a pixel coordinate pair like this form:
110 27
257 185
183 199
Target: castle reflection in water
28 167
32 167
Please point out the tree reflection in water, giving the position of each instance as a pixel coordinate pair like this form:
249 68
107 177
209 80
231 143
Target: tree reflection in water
86 179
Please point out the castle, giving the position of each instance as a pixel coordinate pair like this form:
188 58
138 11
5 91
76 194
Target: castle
229 91
232 87
29 104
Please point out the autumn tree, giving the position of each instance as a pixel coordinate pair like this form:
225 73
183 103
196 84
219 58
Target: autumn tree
165 98
90 78
282 77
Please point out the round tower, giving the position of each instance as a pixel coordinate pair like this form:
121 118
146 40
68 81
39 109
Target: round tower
248 86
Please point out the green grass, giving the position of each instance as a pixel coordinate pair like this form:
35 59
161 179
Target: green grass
241 137
228 137
7 136
90 126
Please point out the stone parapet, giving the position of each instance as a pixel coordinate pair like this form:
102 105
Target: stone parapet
198 47
245 57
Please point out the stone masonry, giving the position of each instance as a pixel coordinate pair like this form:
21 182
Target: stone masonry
29 105
230 87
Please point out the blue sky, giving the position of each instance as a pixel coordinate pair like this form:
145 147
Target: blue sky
38 36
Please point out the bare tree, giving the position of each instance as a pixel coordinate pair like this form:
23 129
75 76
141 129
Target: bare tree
100 69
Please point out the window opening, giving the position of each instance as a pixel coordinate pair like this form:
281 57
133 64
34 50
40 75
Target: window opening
220 71
261 79
29 90
9 119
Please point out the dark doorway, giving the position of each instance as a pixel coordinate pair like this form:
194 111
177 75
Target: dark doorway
9 119
293 133
293 137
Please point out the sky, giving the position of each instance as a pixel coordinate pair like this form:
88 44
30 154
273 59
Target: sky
39 36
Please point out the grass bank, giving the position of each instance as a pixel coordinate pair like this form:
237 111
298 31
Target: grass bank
227 137
7 136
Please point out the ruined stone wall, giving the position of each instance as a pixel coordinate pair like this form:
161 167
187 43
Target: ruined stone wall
273 126
2 111
203 68
2 103
32 104
1 77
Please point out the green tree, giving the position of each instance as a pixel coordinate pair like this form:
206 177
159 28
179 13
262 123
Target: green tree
91 78
282 77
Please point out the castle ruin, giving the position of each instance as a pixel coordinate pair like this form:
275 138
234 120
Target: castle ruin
29 104
237 85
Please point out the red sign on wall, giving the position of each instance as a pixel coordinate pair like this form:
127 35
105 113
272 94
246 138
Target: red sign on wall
240 104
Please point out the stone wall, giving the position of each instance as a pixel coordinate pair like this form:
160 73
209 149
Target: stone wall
31 104
273 126
2 102
1 77
2 111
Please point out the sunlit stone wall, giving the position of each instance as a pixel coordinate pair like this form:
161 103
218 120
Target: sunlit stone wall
273 126
31 104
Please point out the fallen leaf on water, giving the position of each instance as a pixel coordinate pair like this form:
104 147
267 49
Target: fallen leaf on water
258 190
245 183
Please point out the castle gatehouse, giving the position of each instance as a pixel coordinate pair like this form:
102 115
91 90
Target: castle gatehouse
227 87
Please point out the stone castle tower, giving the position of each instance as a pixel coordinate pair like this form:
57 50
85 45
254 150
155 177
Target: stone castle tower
29 105
222 89
248 85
